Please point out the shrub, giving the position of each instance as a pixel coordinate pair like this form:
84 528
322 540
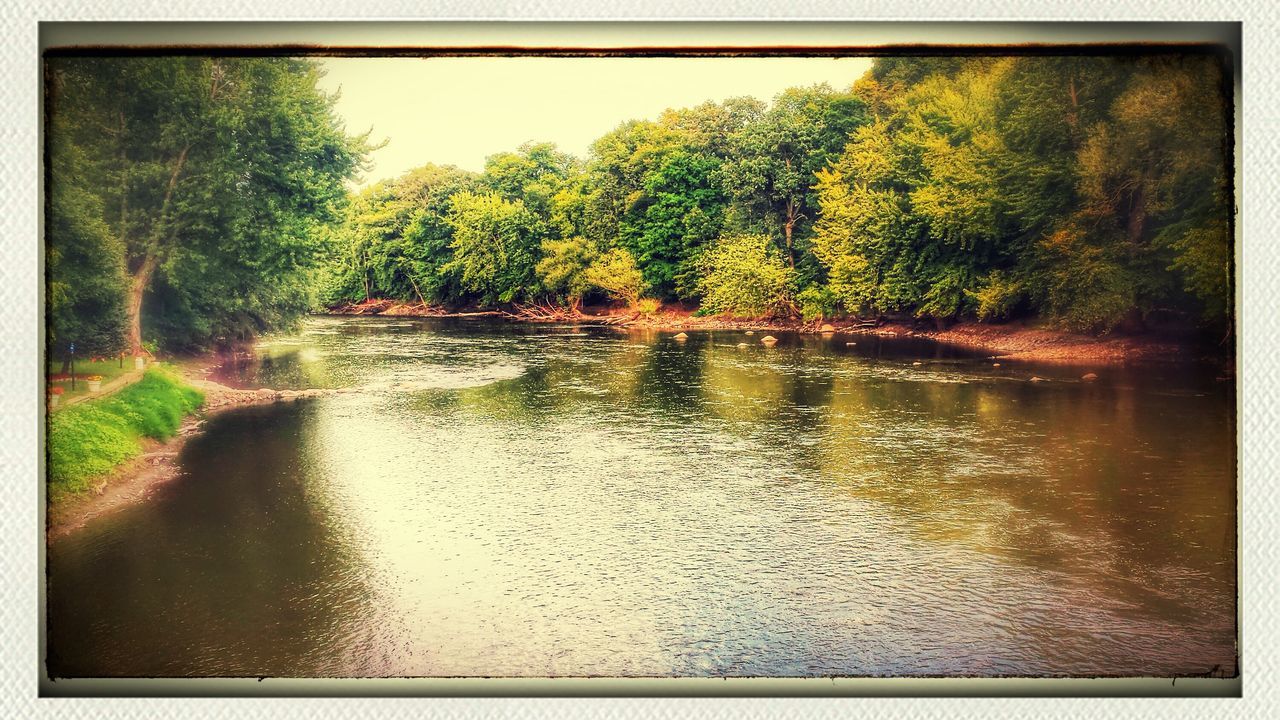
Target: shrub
745 275
648 306
817 302
997 298
1083 287
615 273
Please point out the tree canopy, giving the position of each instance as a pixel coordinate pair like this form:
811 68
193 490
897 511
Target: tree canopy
196 198
210 177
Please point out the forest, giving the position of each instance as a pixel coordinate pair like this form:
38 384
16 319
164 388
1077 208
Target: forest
191 201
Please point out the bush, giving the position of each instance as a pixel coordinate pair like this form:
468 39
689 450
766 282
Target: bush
817 302
1083 287
997 298
648 306
745 275
615 274
90 439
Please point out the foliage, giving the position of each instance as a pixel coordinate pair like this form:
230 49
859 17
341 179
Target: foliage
1085 190
615 273
211 174
84 266
563 269
817 302
1082 284
1073 188
746 275
997 298
494 246
774 161
648 306
89 439
395 238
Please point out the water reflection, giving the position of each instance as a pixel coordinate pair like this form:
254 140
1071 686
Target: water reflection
507 500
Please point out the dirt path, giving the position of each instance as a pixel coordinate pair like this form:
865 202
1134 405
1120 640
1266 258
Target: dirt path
112 386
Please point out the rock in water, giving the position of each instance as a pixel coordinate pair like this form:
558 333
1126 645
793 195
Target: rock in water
995 364
1036 378
827 328
916 363
850 344
769 340
682 336
751 332
1089 377
742 345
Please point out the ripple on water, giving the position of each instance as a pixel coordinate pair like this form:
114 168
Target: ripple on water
502 501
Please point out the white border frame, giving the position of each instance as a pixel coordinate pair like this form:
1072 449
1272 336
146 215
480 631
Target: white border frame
20 325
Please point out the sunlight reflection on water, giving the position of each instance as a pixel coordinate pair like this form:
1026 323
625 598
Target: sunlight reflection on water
505 500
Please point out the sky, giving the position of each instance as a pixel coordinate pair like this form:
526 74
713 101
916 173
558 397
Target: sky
458 111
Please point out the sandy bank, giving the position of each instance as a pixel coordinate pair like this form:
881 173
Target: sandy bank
137 478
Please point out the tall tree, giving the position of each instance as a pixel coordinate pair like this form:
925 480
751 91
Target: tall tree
495 246
774 160
216 173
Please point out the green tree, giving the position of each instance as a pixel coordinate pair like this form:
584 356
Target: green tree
746 275
84 276
495 247
214 174
563 268
615 273
394 239
774 160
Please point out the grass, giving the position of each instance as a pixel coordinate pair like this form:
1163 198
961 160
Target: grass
109 369
93 437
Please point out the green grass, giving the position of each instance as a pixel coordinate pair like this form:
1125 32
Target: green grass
109 369
93 437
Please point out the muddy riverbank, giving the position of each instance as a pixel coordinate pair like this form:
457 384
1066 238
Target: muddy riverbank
1014 341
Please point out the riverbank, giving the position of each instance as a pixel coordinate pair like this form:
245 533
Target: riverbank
134 478
1010 341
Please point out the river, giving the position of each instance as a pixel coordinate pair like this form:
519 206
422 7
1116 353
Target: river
511 500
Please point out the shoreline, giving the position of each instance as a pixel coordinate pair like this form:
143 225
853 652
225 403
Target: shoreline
137 478
1006 341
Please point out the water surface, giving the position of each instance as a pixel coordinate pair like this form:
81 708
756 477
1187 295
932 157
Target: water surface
506 500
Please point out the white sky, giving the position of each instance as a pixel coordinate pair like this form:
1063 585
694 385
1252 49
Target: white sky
457 111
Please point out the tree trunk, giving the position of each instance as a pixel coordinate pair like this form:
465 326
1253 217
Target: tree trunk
137 289
787 229
416 291
140 279
1136 222
1073 117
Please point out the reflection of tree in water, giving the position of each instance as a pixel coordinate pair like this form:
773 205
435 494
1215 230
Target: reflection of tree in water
1092 481
669 378
758 394
613 375
233 570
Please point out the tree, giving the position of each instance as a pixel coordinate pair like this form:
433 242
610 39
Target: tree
745 275
774 160
215 174
563 269
394 239
83 265
615 273
684 212
495 247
